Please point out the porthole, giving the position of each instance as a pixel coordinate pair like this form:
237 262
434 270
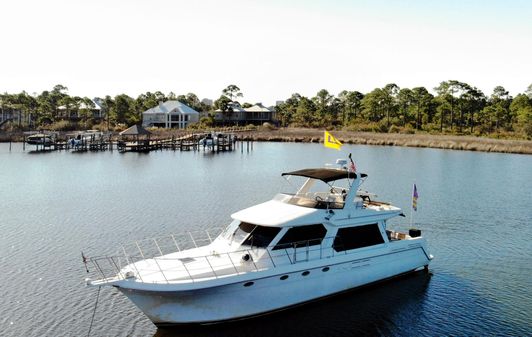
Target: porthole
248 284
325 269
305 273
284 277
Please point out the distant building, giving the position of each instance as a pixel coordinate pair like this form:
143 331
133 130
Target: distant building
170 114
279 102
256 114
207 101
73 112
10 114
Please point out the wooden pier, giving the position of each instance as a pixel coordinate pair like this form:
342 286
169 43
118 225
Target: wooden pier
203 141
193 142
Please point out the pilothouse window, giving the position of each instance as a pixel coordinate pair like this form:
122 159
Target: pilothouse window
357 237
243 231
254 235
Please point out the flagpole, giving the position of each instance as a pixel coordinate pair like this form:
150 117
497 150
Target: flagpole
412 206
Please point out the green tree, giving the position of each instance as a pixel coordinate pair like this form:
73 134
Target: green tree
373 105
232 91
286 110
224 104
324 109
521 107
422 100
350 105
305 114
390 92
405 100
501 100
447 98
124 109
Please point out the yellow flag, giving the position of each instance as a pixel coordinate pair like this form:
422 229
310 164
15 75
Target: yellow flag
330 141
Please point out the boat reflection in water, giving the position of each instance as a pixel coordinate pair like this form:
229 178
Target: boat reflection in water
373 310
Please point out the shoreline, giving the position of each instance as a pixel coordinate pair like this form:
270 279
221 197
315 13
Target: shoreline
447 142
304 135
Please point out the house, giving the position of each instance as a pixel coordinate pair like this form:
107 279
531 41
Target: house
75 112
256 114
170 114
9 113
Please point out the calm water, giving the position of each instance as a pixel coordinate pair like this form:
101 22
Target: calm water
474 208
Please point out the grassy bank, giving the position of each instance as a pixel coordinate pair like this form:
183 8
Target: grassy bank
450 142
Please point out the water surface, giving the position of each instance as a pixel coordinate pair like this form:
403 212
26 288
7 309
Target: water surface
474 208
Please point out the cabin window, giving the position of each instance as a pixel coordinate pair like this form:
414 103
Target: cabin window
254 235
357 237
243 231
261 236
302 236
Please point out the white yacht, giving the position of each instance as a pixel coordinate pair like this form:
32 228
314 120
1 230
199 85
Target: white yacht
284 252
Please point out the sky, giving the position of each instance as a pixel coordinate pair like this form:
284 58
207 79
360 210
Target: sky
269 49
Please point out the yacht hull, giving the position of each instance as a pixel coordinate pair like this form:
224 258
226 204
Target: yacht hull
268 293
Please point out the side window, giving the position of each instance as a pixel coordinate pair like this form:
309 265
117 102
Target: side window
301 236
357 237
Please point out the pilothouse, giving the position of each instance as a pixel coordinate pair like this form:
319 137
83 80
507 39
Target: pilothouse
292 249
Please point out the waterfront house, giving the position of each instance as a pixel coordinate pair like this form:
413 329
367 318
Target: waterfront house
235 114
170 114
94 110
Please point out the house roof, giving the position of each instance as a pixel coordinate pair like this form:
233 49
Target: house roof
135 130
255 108
82 106
258 108
172 107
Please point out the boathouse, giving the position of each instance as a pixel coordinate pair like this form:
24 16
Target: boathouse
170 114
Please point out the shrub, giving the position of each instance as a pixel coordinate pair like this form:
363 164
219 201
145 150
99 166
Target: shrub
394 129
62 125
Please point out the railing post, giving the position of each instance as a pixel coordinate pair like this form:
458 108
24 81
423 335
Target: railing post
271 259
194 241
230 259
288 255
125 254
176 245
252 260
158 248
140 250
138 273
209 236
118 271
100 270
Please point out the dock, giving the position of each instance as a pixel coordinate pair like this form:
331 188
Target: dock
215 142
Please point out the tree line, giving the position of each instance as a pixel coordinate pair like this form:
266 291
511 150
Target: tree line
456 107
55 108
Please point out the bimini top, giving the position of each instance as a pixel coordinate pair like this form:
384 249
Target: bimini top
324 174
